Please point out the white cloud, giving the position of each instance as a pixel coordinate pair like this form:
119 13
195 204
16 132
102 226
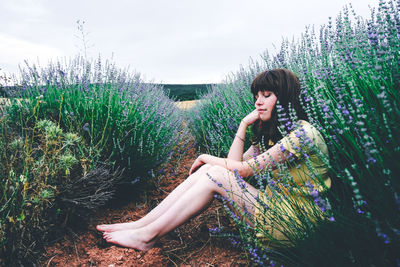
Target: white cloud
17 50
24 7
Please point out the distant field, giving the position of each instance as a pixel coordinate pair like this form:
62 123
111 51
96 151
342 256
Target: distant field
186 104
179 92
184 92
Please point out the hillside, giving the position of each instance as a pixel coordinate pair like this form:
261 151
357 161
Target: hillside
184 92
178 92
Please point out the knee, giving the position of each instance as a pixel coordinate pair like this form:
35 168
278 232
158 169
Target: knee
205 167
217 178
217 173
218 169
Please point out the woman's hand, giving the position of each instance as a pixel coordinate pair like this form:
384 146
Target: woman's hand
251 117
196 164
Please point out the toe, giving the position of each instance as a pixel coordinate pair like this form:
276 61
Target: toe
101 227
110 238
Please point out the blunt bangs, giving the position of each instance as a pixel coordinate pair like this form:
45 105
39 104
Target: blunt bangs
263 82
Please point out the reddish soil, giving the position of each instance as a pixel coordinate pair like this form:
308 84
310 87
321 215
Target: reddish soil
188 245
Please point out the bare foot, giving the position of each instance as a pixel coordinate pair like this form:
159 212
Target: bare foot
130 239
116 227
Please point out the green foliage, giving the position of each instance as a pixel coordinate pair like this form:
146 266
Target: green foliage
4 81
129 122
38 165
71 132
184 92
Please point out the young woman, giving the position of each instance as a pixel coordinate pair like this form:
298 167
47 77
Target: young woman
210 175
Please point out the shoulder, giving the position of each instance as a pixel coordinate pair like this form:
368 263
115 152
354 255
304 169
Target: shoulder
309 129
313 135
303 135
301 129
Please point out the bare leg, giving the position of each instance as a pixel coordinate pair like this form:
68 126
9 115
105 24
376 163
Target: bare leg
188 205
160 208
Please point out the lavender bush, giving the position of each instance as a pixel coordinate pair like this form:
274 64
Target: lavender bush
132 123
350 87
69 135
48 179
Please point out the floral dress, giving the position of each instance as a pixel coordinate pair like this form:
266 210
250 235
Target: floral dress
292 197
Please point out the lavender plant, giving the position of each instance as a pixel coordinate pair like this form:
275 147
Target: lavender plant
47 180
4 81
130 122
71 132
350 87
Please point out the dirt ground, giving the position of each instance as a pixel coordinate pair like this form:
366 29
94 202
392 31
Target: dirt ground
189 245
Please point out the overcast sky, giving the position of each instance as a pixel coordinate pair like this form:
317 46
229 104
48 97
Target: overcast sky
175 41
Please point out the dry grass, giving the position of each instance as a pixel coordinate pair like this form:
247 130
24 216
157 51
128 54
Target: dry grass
186 104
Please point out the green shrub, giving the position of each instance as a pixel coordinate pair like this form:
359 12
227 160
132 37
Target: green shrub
129 122
48 177
72 132
185 92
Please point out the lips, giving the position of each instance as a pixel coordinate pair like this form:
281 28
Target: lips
261 110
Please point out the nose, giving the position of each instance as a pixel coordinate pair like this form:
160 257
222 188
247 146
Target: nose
260 100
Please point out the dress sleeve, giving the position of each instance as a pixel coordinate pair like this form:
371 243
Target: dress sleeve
301 140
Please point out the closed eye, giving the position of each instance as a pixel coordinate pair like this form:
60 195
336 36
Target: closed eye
266 95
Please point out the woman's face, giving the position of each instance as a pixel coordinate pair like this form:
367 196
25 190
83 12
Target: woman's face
265 103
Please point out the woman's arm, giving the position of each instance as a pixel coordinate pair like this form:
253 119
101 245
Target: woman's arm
237 147
270 158
252 152
229 164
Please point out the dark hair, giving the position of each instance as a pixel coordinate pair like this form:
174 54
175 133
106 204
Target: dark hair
286 86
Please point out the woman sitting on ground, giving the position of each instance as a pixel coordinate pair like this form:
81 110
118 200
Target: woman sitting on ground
210 175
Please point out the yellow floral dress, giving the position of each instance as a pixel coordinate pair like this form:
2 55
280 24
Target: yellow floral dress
292 196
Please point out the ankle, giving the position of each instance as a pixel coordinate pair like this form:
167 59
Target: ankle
148 236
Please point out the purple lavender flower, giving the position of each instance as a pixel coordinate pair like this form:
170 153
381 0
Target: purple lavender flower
314 193
309 185
215 230
283 149
86 127
384 236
